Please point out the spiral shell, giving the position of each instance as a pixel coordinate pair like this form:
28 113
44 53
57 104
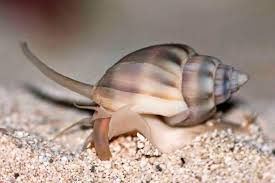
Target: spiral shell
169 80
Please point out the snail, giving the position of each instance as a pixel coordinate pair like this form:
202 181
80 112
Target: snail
166 92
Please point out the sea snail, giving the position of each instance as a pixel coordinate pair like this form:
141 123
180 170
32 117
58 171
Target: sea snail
165 92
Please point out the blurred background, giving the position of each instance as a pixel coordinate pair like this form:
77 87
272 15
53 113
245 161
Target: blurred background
83 38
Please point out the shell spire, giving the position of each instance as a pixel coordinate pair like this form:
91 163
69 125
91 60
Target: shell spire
238 79
228 80
207 82
76 86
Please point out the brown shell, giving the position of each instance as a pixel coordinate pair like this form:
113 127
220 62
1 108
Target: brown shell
149 79
198 86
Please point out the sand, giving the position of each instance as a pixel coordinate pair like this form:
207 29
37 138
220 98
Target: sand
30 118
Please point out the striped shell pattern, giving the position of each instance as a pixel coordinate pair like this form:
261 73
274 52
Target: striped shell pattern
168 80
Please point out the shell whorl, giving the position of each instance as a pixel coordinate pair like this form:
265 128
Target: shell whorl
149 78
228 80
198 87
207 82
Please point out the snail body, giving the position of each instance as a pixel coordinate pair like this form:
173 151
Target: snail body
153 90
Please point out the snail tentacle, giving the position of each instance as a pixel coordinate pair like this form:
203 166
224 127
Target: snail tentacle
84 121
89 142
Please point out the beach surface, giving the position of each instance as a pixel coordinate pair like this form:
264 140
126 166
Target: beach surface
29 118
